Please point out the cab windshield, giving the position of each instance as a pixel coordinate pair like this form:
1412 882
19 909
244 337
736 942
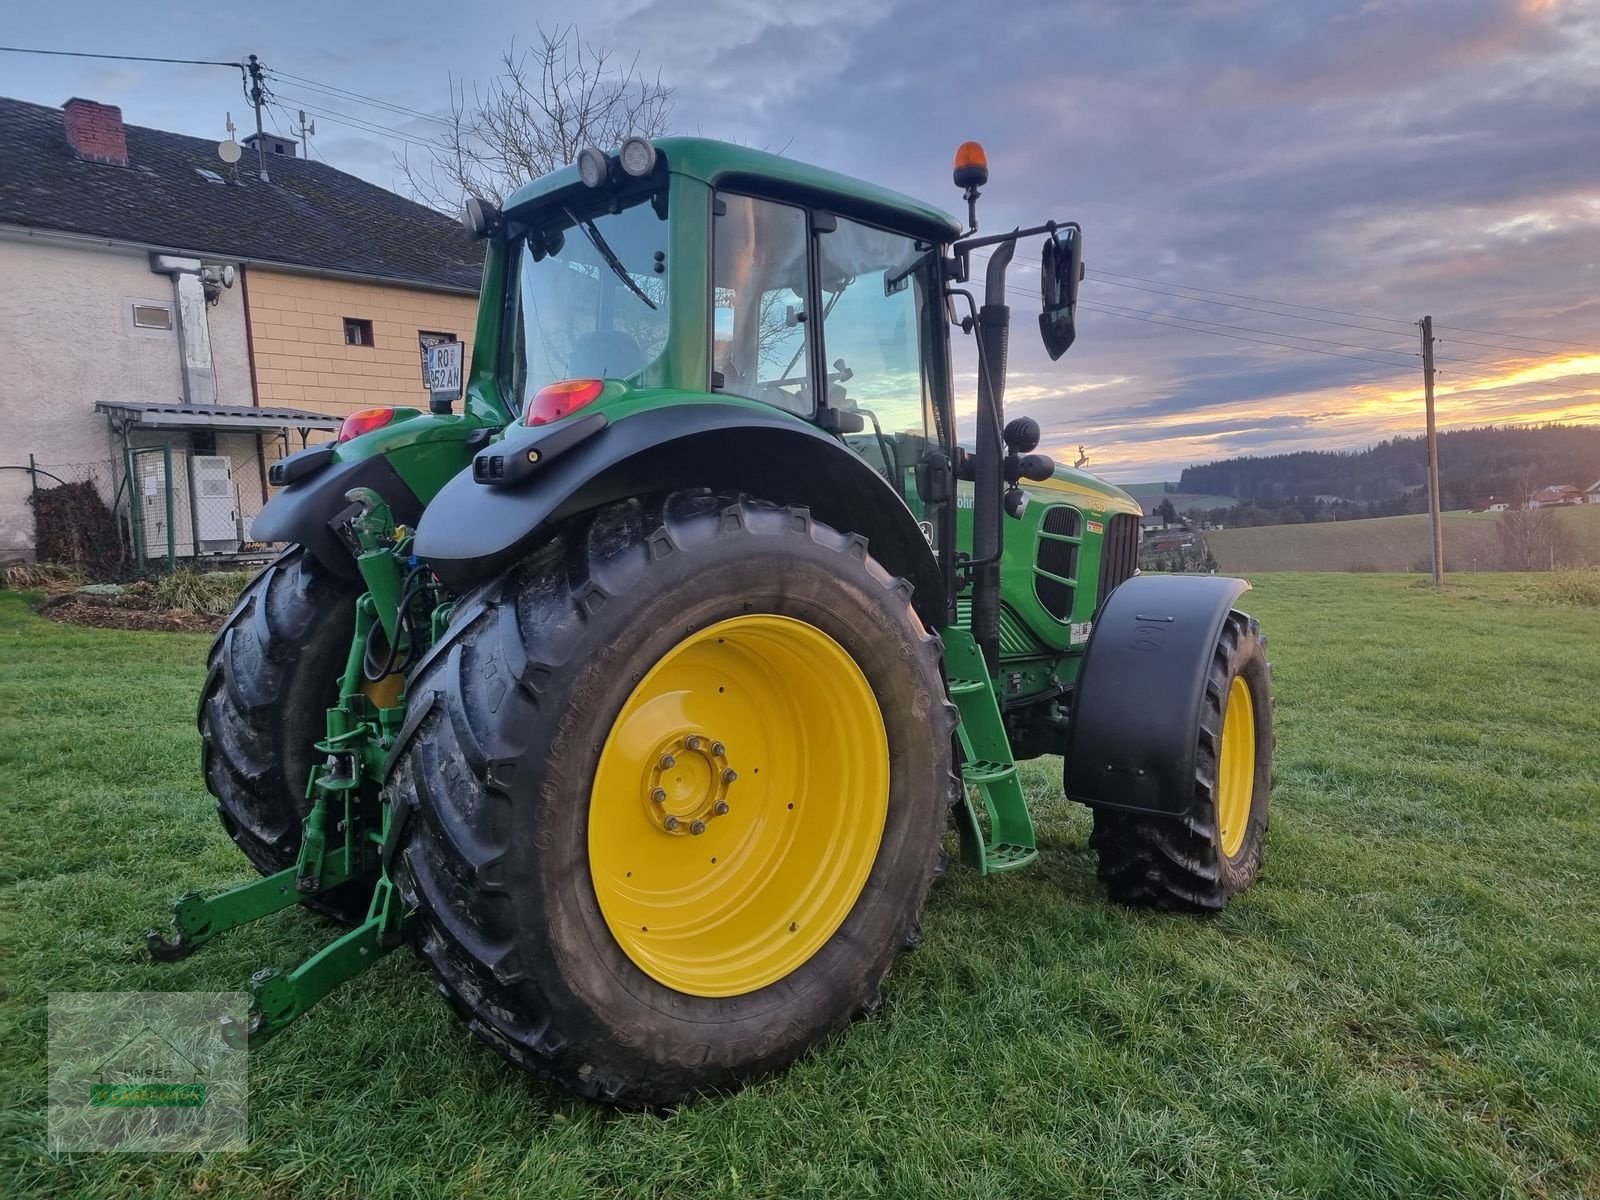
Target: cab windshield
589 297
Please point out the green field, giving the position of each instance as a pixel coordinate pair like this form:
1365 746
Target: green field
1384 543
1407 1004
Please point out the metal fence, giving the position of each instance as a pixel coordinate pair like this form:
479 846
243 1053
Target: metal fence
159 507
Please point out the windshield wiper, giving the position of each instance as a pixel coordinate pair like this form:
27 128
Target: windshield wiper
612 261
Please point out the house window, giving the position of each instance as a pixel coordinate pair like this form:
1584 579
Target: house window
152 316
357 332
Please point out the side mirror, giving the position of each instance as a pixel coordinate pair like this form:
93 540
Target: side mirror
1060 272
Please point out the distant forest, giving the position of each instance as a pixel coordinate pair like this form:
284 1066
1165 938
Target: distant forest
1390 479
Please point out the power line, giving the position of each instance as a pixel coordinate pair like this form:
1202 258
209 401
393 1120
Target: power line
329 89
340 118
188 62
1482 362
1247 307
1224 304
1236 337
1259 299
1526 337
1268 332
1503 346
1099 272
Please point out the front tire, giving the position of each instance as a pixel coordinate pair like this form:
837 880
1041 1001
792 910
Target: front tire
1199 861
691 659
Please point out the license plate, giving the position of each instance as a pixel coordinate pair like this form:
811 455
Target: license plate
443 370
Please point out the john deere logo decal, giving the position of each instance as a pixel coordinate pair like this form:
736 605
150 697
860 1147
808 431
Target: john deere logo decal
147 1095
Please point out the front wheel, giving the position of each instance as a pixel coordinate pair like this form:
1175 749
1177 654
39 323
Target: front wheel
679 783
1200 860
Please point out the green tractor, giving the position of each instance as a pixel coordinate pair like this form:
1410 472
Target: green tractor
640 695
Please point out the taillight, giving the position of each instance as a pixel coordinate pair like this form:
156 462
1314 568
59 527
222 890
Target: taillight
557 400
364 421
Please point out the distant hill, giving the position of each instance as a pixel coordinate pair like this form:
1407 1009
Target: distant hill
1473 465
1152 494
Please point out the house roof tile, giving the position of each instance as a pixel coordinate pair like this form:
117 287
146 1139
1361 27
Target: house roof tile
310 215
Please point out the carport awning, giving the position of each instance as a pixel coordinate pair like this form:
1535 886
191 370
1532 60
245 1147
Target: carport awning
214 416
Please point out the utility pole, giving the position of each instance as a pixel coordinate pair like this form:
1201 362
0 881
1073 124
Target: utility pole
307 128
1433 452
258 97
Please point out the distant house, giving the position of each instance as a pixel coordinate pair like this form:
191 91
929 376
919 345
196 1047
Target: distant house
1591 494
173 324
1559 495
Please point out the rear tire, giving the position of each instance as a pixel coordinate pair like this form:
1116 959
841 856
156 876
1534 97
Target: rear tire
273 672
1195 862
514 716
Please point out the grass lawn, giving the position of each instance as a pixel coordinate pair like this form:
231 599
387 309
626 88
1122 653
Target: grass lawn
1407 1004
1471 540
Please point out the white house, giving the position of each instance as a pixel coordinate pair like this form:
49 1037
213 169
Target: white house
173 324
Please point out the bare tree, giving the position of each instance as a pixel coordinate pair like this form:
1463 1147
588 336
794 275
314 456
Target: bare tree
1535 539
546 104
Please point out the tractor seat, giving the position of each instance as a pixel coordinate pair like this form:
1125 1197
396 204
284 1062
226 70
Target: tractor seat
605 354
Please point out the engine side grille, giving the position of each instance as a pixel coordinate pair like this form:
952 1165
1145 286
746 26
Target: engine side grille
1056 561
1061 519
1119 554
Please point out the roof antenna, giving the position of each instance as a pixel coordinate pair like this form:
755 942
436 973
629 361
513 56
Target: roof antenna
229 151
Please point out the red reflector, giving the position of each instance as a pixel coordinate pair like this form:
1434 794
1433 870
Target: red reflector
364 421
556 400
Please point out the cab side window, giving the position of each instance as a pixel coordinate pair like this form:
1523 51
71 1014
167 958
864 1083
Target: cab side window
873 283
760 330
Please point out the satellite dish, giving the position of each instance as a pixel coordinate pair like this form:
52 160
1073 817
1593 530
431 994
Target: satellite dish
229 151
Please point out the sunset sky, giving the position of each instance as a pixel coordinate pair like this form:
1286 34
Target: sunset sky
1385 159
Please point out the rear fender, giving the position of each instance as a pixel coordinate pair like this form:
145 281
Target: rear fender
302 511
472 531
1135 721
405 462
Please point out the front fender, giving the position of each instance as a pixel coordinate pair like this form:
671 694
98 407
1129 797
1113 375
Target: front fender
1135 723
471 532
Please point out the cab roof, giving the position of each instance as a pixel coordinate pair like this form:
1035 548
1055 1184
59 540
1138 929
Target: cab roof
723 165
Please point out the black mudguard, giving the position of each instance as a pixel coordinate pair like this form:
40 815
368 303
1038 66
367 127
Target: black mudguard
301 511
473 530
1136 709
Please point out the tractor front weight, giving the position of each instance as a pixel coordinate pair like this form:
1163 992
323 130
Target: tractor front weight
350 832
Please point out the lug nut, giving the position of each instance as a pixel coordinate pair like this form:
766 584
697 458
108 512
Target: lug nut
729 775
697 828
692 742
671 824
668 762
718 749
659 796
721 808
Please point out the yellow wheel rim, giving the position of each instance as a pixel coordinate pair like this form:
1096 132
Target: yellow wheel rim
738 805
1236 770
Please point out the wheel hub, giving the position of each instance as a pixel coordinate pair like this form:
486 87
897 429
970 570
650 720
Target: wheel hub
721 907
687 785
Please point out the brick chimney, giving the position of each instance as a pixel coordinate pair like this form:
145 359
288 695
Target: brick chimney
95 131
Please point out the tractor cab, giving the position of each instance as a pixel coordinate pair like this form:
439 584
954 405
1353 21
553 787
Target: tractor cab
718 271
687 269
